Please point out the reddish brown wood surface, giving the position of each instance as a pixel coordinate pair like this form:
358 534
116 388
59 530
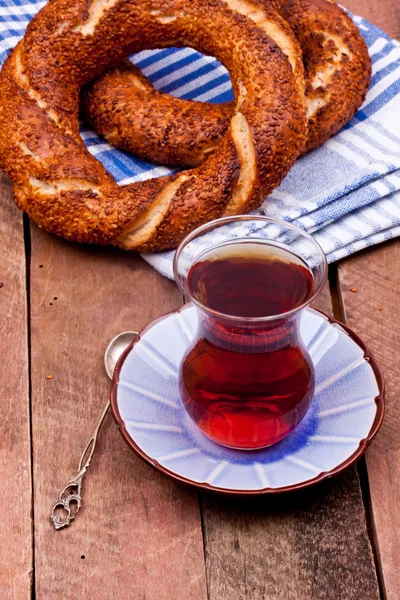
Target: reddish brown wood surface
15 467
373 312
306 545
138 534
383 13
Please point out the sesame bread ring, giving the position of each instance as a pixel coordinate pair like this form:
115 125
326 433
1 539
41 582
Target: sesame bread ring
124 107
69 193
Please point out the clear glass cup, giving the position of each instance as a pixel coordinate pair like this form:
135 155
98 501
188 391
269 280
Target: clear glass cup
247 381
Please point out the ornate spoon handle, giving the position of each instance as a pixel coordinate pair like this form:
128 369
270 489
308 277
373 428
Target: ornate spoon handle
70 500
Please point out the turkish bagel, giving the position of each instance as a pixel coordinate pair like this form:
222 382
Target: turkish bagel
123 106
69 193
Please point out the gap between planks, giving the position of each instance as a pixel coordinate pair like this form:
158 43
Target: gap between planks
27 246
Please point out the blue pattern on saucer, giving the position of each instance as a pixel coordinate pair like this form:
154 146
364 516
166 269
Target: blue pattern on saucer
341 416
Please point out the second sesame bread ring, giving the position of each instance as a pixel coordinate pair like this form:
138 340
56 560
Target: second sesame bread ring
123 106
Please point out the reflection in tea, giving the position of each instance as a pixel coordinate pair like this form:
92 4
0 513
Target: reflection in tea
247 383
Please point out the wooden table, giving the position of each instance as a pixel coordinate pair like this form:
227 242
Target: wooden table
140 535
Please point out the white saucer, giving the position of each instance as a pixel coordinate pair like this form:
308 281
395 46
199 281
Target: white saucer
345 414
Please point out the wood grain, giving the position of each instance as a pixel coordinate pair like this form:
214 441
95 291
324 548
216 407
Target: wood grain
384 13
15 464
305 545
373 312
138 534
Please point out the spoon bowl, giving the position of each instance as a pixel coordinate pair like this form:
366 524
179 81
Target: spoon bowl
115 348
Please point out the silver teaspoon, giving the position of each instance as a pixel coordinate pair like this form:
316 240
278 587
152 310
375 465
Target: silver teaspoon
70 501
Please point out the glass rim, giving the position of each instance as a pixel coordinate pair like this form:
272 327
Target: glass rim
224 220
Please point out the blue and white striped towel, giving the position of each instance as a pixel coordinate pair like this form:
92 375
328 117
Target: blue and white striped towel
347 193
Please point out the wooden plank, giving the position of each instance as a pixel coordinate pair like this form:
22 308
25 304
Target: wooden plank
138 534
376 276
307 545
385 13
15 448
373 312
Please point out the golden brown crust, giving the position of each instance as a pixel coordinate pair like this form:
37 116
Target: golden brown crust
67 192
336 61
123 106
163 129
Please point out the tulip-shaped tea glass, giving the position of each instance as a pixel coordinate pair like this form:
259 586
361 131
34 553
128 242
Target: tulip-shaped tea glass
247 379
